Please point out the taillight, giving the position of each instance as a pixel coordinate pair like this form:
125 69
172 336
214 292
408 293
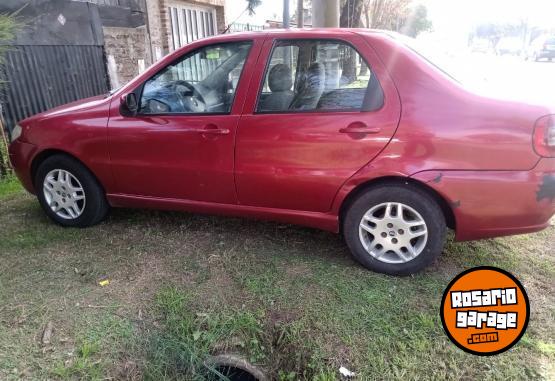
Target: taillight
544 136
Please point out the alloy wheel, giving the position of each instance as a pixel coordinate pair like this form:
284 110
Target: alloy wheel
393 232
64 194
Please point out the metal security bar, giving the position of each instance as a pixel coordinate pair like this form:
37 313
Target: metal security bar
190 23
238 27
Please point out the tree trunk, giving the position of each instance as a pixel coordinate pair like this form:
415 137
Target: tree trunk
325 13
350 14
4 159
300 14
350 18
367 14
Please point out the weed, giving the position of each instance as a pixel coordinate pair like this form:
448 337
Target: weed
9 186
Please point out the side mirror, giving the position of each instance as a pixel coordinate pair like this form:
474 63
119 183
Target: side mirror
129 105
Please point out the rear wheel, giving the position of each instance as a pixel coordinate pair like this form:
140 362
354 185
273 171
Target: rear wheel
69 193
395 229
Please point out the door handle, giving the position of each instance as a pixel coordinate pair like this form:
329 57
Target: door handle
212 129
215 131
359 128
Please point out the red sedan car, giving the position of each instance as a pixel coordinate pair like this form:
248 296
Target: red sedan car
348 131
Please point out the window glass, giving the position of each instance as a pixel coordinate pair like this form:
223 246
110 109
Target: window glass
202 82
286 56
314 75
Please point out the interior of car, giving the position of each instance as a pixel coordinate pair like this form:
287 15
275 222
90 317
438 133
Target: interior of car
302 75
307 75
203 82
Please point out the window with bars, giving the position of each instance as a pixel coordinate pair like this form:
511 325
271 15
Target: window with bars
190 23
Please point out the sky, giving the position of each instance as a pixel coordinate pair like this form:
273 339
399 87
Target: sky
456 18
452 18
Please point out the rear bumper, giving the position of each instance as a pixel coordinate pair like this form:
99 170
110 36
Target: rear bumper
21 155
497 203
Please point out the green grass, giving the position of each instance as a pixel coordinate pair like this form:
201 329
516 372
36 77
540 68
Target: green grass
180 348
288 299
9 186
94 348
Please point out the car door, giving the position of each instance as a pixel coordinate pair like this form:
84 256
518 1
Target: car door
323 108
180 144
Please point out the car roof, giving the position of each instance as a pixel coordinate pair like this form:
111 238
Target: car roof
306 32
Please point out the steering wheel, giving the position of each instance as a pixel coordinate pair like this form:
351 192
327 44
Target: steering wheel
189 97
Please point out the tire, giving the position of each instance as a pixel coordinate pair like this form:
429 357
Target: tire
419 208
88 210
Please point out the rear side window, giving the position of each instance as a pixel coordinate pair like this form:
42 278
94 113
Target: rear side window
318 75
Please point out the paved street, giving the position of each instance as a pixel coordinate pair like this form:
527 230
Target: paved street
511 77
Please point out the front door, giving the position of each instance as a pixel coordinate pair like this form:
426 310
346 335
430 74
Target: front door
180 145
324 109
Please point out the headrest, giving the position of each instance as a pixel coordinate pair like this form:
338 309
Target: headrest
315 76
279 78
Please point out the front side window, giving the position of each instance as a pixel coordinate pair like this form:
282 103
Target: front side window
307 75
202 82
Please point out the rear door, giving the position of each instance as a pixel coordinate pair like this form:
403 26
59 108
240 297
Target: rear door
321 109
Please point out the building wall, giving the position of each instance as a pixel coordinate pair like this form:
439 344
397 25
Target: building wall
55 22
127 53
131 49
220 19
135 33
160 24
157 20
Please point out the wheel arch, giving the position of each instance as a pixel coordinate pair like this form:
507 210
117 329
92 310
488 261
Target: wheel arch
446 209
45 154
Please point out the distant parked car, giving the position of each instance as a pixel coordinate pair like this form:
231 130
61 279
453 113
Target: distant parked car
542 47
382 146
509 45
481 46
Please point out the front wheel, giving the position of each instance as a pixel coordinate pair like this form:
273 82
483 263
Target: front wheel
69 193
396 230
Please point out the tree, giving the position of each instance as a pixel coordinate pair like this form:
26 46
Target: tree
494 32
350 14
377 14
252 5
8 29
350 18
417 21
386 14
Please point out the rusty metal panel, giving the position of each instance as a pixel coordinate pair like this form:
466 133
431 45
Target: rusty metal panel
37 78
